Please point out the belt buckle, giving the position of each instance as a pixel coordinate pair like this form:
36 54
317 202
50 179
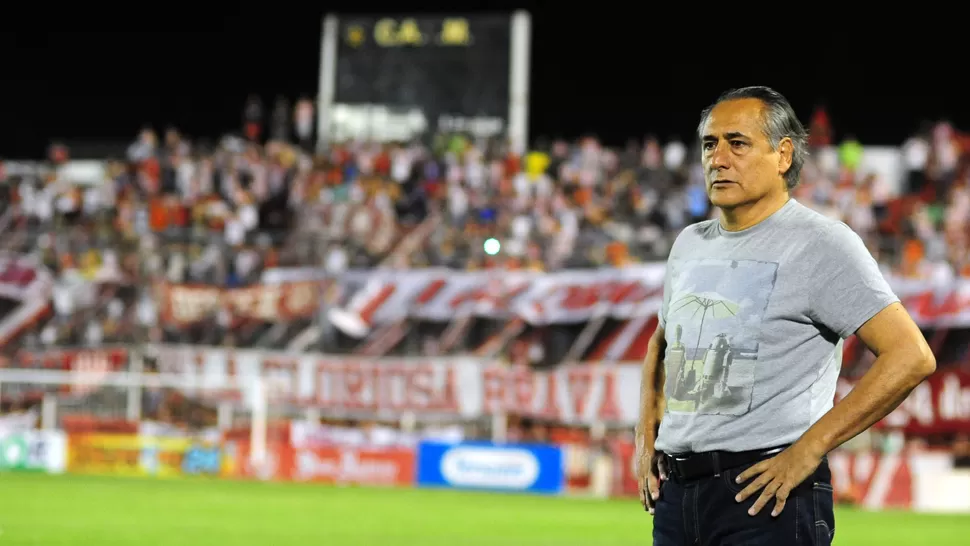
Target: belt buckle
674 464
712 457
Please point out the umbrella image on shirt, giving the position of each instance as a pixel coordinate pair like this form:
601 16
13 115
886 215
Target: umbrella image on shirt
708 305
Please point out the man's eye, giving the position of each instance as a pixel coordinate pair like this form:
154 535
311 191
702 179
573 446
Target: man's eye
737 143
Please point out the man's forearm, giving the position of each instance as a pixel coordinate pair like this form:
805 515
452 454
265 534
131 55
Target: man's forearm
890 380
651 393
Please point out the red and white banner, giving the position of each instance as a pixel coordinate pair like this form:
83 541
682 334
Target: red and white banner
624 452
185 304
941 404
538 298
923 481
872 480
312 434
937 306
462 388
452 387
347 465
343 465
20 278
80 361
87 367
383 297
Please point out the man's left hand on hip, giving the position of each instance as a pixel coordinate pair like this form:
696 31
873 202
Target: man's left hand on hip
778 476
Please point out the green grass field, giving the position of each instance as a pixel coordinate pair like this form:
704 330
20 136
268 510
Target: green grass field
80 511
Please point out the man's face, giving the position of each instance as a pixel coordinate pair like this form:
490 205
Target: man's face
739 165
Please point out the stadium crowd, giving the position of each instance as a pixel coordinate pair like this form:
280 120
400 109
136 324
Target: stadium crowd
171 212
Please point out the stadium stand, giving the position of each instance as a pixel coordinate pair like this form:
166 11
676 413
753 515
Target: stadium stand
169 213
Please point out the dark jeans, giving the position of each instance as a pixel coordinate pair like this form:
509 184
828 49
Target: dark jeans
703 512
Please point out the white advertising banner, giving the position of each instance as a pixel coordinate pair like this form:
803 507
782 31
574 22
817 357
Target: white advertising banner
33 451
447 387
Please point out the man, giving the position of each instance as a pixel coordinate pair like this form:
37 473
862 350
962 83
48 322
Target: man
736 424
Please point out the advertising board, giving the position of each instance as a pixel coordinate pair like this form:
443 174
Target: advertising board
137 455
208 459
347 465
344 465
33 451
487 466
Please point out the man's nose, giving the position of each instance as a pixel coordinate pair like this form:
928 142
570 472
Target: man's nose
719 157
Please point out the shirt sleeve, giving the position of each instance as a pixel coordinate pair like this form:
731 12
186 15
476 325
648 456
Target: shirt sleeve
847 287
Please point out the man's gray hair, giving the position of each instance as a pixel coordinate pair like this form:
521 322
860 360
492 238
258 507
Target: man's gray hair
779 122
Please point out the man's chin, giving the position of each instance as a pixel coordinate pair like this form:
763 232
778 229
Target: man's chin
726 202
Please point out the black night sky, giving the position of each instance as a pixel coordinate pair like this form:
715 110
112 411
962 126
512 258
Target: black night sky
102 71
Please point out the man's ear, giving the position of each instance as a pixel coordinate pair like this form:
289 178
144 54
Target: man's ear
786 149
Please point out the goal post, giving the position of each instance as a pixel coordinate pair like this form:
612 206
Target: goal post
145 405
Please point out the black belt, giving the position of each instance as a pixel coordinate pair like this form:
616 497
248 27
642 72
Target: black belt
691 466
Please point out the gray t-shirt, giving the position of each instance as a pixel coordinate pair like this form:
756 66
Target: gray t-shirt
754 323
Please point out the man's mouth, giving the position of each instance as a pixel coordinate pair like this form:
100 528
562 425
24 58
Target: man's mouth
721 183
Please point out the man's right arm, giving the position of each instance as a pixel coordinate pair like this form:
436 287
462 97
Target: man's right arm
652 401
652 405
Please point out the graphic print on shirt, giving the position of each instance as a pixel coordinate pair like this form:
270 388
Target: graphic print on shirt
713 325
